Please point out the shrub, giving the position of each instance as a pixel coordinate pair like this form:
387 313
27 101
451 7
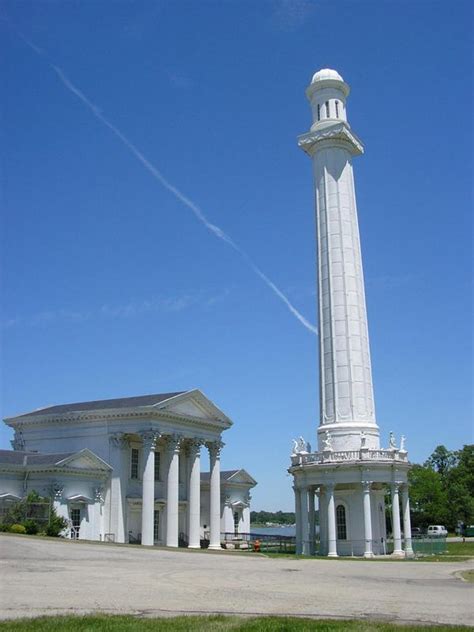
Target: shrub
4 527
17 528
56 525
31 526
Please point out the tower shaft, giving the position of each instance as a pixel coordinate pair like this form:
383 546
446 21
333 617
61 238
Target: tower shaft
346 390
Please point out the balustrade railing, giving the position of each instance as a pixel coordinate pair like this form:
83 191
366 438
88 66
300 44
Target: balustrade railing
338 456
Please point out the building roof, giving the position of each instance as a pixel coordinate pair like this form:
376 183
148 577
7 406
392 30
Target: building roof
18 457
225 475
103 404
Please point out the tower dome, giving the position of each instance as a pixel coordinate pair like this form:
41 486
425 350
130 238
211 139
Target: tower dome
325 74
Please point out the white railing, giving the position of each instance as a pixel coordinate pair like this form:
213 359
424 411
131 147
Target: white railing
340 456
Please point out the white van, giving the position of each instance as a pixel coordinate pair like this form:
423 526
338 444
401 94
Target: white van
437 531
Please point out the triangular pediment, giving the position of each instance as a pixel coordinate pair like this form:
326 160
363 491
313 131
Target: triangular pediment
196 405
84 460
242 477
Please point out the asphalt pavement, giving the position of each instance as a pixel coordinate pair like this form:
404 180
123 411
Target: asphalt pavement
45 576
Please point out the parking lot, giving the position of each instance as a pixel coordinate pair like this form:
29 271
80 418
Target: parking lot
42 576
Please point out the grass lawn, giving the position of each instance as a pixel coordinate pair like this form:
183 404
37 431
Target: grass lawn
468 576
460 548
217 623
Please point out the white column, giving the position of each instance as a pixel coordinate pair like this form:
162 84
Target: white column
323 522
397 535
245 520
367 519
406 521
312 524
148 485
304 521
215 448
331 513
299 545
194 487
118 459
172 490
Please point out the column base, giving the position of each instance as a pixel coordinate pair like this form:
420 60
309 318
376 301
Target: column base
194 546
398 553
409 553
369 555
215 547
333 555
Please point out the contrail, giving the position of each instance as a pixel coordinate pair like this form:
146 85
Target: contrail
218 232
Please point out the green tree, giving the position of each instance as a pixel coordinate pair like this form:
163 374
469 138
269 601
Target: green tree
428 498
442 461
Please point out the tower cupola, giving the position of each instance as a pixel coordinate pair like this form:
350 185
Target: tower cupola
327 94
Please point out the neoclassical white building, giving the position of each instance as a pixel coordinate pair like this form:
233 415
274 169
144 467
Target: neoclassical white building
350 472
129 469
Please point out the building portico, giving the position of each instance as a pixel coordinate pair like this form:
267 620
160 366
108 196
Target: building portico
153 447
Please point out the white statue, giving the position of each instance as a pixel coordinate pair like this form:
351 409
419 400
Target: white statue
363 440
391 441
327 445
402 443
302 446
308 447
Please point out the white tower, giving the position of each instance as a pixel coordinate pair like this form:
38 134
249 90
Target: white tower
350 473
346 392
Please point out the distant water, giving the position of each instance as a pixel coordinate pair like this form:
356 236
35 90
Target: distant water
274 530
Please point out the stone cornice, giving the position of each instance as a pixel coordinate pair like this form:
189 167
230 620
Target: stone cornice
117 415
334 135
45 469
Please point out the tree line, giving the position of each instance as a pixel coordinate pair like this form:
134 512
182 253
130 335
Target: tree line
442 489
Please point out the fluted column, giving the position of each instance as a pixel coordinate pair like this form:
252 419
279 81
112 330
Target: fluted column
406 521
119 445
194 500
304 521
331 513
312 524
215 448
397 534
172 490
299 544
148 485
367 519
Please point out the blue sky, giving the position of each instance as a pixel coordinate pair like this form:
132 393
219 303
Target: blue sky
112 287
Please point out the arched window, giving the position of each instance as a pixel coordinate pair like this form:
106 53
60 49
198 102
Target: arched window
341 522
337 109
319 112
327 109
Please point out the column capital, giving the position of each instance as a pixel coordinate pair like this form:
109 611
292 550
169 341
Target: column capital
215 448
119 440
57 490
193 446
329 487
149 438
366 486
99 495
396 485
173 442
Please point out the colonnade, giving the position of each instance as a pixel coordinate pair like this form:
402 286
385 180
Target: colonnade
175 448
305 518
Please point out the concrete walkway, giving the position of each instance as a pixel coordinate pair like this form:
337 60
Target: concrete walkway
42 576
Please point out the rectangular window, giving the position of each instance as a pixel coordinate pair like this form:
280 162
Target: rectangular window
337 109
157 466
134 462
76 523
319 112
341 522
156 526
327 109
